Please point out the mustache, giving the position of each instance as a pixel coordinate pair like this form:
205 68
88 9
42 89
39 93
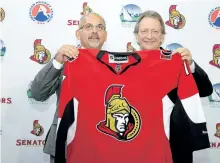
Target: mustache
94 36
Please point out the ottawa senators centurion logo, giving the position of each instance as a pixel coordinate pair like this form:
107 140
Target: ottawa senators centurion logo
122 121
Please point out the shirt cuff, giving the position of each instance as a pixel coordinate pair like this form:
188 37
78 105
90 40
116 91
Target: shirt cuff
57 65
192 67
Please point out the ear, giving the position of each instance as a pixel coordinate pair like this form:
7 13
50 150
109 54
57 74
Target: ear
77 34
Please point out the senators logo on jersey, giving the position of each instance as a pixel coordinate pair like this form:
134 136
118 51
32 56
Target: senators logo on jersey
122 121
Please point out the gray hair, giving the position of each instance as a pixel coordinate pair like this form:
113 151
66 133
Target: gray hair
82 19
150 14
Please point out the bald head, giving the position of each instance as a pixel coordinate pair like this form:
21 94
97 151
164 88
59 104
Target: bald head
92 14
92 31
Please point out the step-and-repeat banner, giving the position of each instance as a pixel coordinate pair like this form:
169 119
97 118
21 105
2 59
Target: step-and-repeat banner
31 27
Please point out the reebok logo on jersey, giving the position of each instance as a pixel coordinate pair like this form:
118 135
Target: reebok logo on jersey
118 58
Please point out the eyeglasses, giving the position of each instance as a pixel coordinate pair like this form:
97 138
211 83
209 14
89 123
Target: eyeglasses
90 27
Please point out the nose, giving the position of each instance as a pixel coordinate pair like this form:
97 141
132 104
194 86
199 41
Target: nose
94 30
149 35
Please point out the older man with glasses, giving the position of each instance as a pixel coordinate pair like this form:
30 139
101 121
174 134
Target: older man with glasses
92 34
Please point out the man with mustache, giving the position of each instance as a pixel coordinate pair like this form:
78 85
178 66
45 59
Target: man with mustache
92 34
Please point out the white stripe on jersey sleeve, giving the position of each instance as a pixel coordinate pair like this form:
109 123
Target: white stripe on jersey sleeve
193 108
72 129
167 109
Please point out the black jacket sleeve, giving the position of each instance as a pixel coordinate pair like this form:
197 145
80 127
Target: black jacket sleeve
202 81
184 133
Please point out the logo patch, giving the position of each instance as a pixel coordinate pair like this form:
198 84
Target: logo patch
214 98
130 47
216 56
118 67
118 58
129 15
214 18
41 12
217 134
176 20
122 121
41 54
86 9
165 54
2 14
38 130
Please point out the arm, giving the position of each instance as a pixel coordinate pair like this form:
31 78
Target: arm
47 81
202 81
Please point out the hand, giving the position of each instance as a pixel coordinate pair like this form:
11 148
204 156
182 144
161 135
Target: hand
65 52
185 54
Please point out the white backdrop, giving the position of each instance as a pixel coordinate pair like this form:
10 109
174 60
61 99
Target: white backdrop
24 27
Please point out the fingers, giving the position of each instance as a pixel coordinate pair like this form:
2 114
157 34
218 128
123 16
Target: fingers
179 50
69 51
66 52
185 54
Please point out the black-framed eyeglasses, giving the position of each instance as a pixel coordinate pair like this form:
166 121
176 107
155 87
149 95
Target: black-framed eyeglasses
89 27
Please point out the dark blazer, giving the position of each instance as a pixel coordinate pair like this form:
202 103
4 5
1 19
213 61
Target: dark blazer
184 134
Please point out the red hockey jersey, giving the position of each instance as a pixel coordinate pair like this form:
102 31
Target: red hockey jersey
111 106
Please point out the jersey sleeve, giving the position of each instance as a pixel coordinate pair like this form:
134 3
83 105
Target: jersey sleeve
189 95
66 115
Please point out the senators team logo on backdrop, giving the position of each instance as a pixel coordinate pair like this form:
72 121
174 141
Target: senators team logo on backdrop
130 47
214 18
129 15
38 130
85 10
216 144
41 12
217 134
122 121
41 54
216 56
176 19
2 48
2 14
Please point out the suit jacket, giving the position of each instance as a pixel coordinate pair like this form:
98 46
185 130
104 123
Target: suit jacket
184 133
46 83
